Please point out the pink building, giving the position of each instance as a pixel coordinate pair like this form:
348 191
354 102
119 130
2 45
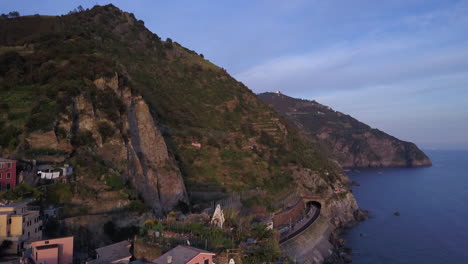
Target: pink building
53 251
185 255
7 174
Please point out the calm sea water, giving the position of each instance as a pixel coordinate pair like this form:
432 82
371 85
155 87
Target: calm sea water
433 203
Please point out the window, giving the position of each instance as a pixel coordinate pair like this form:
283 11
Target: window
9 221
207 261
8 186
8 175
8 165
1 174
0 185
1 165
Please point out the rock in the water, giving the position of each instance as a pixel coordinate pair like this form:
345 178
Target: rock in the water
347 259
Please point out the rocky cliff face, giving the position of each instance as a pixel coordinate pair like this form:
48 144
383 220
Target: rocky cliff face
350 142
131 142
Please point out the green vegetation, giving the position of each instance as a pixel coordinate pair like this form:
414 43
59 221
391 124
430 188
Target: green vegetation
106 131
118 234
8 136
265 247
58 193
12 14
21 192
138 206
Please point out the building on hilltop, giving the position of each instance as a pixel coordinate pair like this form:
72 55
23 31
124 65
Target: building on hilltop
115 253
52 251
19 226
8 179
185 255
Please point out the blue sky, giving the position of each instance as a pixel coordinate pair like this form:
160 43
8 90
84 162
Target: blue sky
400 65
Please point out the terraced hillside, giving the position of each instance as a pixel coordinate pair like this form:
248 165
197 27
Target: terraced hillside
350 142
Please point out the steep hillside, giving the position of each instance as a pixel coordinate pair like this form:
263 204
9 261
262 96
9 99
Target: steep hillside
350 142
141 118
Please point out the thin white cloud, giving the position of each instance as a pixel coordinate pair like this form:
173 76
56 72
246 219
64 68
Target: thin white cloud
436 46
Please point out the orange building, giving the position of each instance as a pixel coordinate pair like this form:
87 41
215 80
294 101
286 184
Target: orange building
53 251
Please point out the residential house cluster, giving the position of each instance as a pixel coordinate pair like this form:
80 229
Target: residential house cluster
120 253
19 225
9 178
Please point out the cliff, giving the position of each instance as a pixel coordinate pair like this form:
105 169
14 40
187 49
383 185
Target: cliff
142 118
350 142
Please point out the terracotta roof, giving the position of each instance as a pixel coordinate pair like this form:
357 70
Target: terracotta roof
114 252
180 255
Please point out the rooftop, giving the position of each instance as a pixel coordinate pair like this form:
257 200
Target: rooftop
181 255
6 160
15 204
113 252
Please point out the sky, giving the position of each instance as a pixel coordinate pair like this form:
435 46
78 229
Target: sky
400 66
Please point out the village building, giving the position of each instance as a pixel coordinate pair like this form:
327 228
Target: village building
52 251
19 225
115 253
8 179
185 255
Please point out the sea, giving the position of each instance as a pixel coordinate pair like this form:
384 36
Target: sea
432 203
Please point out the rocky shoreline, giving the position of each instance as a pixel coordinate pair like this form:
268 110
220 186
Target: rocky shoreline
342 252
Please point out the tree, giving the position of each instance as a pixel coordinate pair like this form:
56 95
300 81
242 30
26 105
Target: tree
80 8
13 14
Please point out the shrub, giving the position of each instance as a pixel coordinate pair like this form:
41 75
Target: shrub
138 206
106 130
21 192
58 193
8 136
83 138
115 182
108 103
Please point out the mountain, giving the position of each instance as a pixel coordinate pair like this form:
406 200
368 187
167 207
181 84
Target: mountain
350 142
146 120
